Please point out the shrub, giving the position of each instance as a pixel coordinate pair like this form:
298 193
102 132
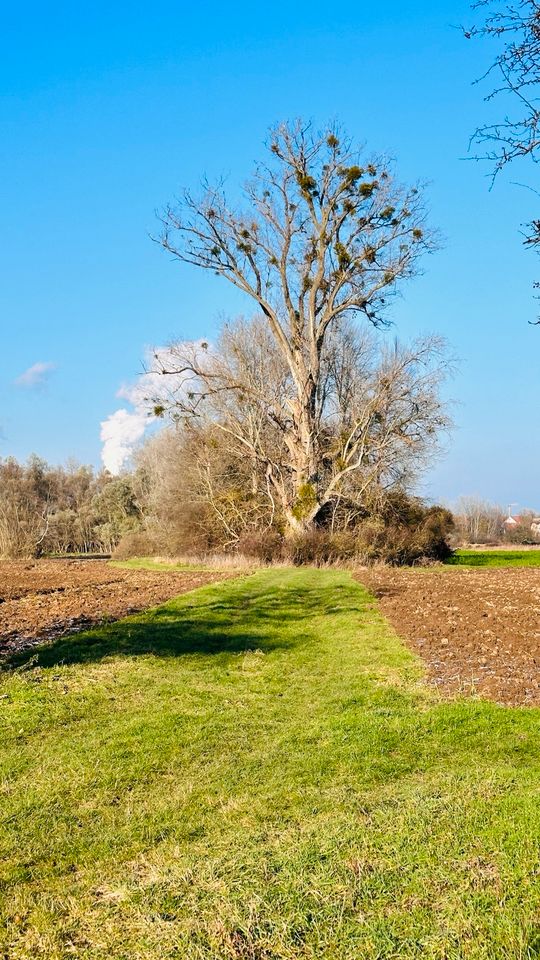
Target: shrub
319 547
420 536
264 545
139 544
521 533
426 539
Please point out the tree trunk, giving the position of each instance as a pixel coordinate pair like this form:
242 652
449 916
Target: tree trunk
305 506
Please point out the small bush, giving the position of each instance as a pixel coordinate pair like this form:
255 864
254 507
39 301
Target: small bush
139 544
520 534
266 546
319 547
426 541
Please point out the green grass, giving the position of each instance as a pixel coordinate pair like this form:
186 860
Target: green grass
256 771
495 558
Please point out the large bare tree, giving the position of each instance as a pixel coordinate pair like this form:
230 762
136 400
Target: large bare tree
377 417
325 236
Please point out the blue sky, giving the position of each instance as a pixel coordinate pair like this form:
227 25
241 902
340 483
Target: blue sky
107 110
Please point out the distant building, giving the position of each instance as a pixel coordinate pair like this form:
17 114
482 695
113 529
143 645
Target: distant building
512 522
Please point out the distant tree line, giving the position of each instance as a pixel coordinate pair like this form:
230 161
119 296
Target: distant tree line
187 495
70 509
479 521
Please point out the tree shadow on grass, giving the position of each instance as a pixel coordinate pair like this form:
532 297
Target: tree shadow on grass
229 621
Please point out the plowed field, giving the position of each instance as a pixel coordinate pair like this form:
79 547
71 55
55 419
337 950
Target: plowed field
44 599
478 630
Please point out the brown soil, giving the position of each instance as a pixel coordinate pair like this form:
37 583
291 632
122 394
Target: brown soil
44 599
478 631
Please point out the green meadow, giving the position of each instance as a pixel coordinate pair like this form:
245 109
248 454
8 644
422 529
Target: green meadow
256 770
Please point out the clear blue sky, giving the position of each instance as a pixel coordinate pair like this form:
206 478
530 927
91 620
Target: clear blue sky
108 109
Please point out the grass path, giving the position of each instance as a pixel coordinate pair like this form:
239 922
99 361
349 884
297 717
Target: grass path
254 771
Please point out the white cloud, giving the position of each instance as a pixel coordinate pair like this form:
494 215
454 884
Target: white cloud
123 429
120 432
36 375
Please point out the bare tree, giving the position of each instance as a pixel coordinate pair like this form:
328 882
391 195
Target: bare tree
478 521
198 494
516 73
25 507
516 69
325 236
377 415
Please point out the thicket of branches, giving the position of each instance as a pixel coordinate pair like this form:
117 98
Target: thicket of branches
478 521
202 498
515 76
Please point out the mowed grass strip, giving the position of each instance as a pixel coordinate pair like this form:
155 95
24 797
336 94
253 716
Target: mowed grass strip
495 558
255 771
